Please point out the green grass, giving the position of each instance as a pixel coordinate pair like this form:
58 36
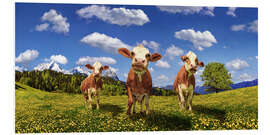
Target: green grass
38 111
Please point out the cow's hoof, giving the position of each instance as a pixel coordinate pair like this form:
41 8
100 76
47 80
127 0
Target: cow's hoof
134 112
128 113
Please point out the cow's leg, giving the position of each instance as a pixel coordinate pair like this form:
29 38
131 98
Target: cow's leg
147 104
141 106
130 102
181 95
190 96
134 104
90 98
98 98
85 100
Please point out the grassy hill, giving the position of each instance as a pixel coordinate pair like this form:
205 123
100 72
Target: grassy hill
39 111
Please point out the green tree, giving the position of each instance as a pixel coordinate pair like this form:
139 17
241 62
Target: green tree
216 77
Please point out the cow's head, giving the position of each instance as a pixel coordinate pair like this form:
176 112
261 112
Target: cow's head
191 62
140 57
97 68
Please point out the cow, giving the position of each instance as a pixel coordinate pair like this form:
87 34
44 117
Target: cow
184 83
92 85
139 80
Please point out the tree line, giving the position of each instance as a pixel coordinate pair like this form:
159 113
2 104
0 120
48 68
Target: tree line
53 81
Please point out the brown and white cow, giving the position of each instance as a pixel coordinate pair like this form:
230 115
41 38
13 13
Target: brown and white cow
184 83
92 85
139 81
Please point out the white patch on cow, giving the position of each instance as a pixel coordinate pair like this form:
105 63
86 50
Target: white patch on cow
97 65
140 51
192 57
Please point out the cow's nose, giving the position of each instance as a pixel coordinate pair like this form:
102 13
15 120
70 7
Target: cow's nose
139 60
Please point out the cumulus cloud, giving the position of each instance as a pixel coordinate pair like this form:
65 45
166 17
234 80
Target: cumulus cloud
250 27
231 11
246 77
59 59
253 26
104 42
186 10
92 60
199 39
125 75
162 78
151 44
163 64
173 51
239 27
119 16
151 69
237 64
27 56
42 27
58 22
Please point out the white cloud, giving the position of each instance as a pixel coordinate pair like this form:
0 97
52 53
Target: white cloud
59 23
162 78
199 39
246 77
186 10
42 27
27 56
151 69
237 64
181 63
59 59
231 11
119 16
253 26
256 57
238 27
151 44
92 60
163 64
104 42
250 27
173 51
125 75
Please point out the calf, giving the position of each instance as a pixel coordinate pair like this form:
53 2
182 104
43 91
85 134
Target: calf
139 81
92 85
184 83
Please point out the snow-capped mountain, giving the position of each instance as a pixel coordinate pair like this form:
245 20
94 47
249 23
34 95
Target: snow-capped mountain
110 73
51 66
80 70
20 69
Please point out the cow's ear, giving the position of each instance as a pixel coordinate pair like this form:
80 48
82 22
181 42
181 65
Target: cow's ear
105 67
89 66
184 58
125 52
201 64
155 57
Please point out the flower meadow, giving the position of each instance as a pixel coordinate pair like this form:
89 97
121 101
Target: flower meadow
38 111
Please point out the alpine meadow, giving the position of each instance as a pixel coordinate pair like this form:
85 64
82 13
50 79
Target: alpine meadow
122 68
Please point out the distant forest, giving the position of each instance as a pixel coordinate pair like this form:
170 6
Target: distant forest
53 81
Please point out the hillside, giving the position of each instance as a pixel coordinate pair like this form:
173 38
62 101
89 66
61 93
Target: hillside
39 111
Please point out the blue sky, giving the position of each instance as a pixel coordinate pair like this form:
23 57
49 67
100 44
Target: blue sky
72 34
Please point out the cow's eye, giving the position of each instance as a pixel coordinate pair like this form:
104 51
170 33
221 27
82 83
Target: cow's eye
147 55
132 54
